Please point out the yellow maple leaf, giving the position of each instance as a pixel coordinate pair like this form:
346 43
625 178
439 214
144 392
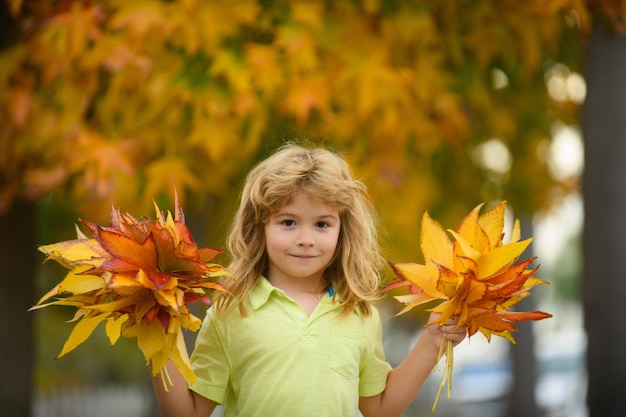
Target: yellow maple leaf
475 278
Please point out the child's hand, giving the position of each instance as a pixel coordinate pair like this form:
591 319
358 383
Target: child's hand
448 331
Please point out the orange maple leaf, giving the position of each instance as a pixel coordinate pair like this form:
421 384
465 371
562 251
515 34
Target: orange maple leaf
475 278
139 278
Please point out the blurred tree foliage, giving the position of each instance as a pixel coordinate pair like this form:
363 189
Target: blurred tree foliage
113 100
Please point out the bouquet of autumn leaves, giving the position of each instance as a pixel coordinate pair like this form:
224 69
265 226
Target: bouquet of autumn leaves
139 278
474 278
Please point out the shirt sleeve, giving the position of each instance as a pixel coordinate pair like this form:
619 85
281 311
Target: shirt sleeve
210 362
374 368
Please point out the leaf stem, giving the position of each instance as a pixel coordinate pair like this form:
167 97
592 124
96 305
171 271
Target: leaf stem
166 379
448 349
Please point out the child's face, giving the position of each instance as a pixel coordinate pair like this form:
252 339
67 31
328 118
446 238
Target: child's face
301 240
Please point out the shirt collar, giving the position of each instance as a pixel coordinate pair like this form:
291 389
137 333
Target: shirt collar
262 290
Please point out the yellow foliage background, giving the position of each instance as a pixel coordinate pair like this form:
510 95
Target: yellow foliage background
112 101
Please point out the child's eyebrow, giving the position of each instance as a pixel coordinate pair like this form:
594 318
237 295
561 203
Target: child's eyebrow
329 216
285 214
322 217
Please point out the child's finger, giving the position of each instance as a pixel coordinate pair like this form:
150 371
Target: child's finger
454 333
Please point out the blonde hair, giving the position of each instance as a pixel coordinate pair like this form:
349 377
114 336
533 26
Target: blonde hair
326 177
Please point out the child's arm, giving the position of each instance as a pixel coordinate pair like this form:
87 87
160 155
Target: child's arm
405 380
180 401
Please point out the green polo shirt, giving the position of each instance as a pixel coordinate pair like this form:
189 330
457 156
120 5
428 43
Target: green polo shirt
277 361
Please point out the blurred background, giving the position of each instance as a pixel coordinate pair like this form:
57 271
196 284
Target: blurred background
437 105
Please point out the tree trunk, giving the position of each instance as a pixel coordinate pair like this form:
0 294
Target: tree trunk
521 400
17 281
604 187
18 260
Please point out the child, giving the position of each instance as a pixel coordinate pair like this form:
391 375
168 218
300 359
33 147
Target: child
301 336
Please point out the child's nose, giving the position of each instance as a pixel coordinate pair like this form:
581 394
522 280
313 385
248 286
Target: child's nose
305 239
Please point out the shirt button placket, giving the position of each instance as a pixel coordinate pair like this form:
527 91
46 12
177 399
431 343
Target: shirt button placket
306 338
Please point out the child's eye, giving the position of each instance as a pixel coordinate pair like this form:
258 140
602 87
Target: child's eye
321 225
288 222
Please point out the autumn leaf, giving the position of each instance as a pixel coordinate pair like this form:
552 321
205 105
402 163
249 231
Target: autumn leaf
475 278
304 97
139 278
162 172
